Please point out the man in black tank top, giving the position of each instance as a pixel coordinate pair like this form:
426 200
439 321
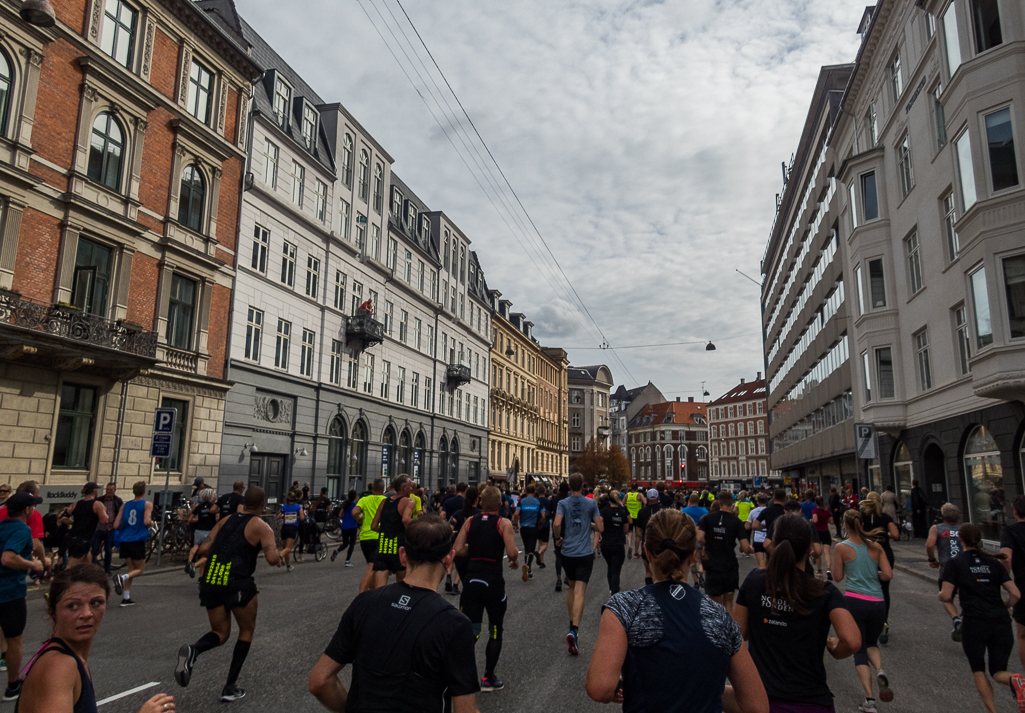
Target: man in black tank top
391 520
410 650
83 517
486 538
227 588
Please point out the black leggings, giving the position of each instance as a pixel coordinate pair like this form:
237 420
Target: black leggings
482 594
558 562
870 617
981 635
614 556
348 540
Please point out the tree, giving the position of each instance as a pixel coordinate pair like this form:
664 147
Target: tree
602 466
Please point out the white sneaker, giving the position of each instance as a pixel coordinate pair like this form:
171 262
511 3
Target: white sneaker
869 706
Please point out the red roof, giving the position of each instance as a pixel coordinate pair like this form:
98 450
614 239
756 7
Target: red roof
680 413
745 391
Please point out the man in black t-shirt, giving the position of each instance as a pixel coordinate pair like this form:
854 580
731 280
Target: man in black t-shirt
409 648
719 532
643 518
1012 545
231 503
770 514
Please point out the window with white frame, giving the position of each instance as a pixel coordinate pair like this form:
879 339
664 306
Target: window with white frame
407 270
980 301
866 374
339 298
939 116
119 22
352 374
873 124
896 78
375 242
261 244
361 231
357 297
389 317
403 325
417 333
337 357
385 380
254 333
904 167
270 163
1014 287
201 83
950 233
924 366
298 183
321 201
347 160
870 200
281 345
368 373
396 202
911 249
414 391
1003 164
288 254
966 169
964 340
400 385
859 290
312 277
363 181
986 18
306 352
309 126
378 187
951 38
876 283
885 373
282 100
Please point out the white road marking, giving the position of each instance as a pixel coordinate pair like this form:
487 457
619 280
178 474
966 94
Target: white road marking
143 687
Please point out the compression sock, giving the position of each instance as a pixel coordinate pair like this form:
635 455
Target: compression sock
126 595
209 641
494 648
530 560
238 657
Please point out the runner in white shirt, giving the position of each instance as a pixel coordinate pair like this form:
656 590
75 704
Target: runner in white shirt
759 535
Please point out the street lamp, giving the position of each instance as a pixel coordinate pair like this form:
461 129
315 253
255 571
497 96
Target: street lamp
39 13
710 347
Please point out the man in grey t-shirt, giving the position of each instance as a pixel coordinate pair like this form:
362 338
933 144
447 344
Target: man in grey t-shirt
575 519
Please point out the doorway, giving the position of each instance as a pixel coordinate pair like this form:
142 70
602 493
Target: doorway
935 476
269 472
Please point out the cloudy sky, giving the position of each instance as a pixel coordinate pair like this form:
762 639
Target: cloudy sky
644 139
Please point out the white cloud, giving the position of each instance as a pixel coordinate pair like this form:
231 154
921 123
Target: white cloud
644 138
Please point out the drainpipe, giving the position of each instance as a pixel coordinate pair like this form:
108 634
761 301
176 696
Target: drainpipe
120 430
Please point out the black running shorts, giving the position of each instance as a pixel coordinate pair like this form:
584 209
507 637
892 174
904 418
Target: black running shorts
543 534
759 546
482 594
720 582
13 615
369 550
987 636
234 596
77 547
1019 612
289 532
388 563
529 537
825 537
133 550
578 569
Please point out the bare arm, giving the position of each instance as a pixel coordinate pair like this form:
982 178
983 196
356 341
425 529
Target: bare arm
461 548
52 686
598 524
1013 595
746 694
406 508
325 685
1008 553
930 548
147 515
376 524
848 636
204 546
101 512
357 514
270 547
838 561
885 570
510 544
893 532
557 526
13 560
604 671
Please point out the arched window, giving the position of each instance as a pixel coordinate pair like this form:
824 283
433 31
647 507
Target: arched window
192 199
6 82
732 431
378 187
761 427
336 446
715 432
987 504
405 461
389 468
347 160
683 454
443 462
750 428
667 456
357 455
702 453
418 455
454 465
903 473
106 151
364 174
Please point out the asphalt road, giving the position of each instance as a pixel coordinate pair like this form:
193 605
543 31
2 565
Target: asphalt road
299 611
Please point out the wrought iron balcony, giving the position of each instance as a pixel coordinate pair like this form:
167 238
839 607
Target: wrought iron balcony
363 331
66 322
457 375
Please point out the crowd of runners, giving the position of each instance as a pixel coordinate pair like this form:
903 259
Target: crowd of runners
754 645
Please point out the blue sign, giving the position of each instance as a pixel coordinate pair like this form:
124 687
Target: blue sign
384 461
160 447
164 420
759 482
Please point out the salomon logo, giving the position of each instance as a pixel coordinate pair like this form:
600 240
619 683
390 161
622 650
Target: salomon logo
678 591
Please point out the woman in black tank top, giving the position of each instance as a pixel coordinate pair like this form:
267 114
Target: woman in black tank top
78 598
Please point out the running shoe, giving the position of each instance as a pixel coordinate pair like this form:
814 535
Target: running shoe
829 575
348 563
231 693
127 603
119 584
526 572
334 555
884 638
3 663
541 565
190 569
955 633
571 643
13 691
448 584
530 575
629 554
491 683
869 706
558 585
885 694
455 589
1018 690
186 660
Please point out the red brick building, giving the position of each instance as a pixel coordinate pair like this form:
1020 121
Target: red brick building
122 149
738 430
669 441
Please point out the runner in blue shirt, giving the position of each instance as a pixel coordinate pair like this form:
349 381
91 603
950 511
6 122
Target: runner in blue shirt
544 529
529 516
693 510
133 521
808 504
16 538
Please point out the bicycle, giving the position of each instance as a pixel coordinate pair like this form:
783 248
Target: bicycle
907 529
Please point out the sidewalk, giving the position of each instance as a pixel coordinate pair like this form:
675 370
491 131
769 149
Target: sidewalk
910 558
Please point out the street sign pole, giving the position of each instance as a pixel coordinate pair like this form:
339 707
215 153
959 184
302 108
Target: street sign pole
164 420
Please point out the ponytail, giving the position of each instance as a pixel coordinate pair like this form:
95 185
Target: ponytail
784 582
670 540
855 526
971 538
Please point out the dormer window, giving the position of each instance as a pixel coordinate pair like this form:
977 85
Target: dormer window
282 100
425 227
410 215
309 126
396 202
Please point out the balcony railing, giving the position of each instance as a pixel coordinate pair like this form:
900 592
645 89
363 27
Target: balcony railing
457 374
71 323
363 331
181 360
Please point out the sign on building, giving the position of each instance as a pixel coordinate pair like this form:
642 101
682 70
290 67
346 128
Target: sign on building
866 441
164 420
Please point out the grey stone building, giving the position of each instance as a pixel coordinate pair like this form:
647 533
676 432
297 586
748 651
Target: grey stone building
626 403
589 389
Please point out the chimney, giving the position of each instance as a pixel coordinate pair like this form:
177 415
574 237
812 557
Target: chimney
690 399
741 381
759 377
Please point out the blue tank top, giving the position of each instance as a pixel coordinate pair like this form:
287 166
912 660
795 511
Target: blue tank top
290 514
348 521
862 573
133 521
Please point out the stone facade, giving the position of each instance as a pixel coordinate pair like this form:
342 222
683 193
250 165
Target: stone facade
589 389
553 417
738 434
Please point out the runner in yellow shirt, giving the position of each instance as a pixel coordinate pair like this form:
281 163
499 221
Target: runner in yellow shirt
635 500
364 513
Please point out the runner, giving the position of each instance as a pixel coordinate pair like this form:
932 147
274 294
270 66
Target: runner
16 547
943 542
545 528
647 512
471 502
202 519
616 520
874 518
82 518
350 529
836 508
528 516
634 502
821 519
409 649
864 563
290 514
485 538
229 590
553 507
786 620
670 627
694 510
808 504
575 519
133 521
35 524
757 535
231 502
719 532
771 513
453 500
364 513
76 604
103 538
1012 546
744 505
978 578
391 520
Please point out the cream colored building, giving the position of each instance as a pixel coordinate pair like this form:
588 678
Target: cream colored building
552 455
514 407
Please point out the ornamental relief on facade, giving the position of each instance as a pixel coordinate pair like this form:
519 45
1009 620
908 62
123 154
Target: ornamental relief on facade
272 410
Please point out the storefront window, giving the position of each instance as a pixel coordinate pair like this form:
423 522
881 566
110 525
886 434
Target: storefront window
987 501
903 474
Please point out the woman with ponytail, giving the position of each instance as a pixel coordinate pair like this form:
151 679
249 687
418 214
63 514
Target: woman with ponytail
670 626
863 561
985 624
785 614
873 518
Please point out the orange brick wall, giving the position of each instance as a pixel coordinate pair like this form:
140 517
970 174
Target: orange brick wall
157 160
228 204
142 291
57 105
220 323
164 70
231 115
71 13
38 251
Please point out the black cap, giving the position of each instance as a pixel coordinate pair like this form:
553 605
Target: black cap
90 487
19 502
198 481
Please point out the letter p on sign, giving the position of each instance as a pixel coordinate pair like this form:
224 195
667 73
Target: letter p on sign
163 420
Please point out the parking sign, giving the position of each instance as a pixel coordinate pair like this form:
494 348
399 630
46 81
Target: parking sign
164 420
866 441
